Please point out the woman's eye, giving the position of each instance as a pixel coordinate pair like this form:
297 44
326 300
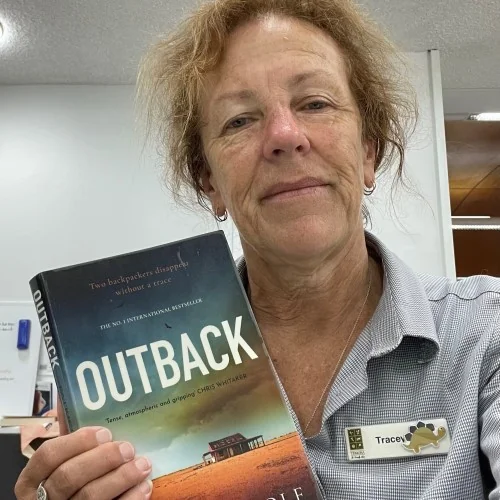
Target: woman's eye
237 122
314 105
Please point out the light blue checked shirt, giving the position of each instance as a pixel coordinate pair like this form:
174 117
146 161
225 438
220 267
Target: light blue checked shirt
431 350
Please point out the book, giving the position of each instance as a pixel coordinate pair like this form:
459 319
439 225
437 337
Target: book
161 347
43 400
15 421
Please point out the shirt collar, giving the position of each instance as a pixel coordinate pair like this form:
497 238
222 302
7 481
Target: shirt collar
403 309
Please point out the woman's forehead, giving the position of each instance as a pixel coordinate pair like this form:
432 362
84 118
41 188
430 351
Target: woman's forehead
278 51
269 37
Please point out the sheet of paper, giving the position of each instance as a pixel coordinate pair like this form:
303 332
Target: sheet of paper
18 368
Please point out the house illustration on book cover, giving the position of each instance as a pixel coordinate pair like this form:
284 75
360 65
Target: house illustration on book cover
231 446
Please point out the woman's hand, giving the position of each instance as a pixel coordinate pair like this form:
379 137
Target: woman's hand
85 464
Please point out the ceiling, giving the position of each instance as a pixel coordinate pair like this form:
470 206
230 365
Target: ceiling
101 41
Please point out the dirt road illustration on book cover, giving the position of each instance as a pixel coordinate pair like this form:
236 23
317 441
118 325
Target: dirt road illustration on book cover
160 346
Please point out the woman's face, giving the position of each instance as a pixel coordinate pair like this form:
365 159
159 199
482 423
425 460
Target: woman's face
282 136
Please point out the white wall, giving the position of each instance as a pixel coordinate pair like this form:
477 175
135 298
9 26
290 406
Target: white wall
74 185
418 226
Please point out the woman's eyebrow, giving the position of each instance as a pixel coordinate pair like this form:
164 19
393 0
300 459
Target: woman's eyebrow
235 95
322 76
294 81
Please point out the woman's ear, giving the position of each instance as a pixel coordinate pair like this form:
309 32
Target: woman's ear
370 157
211 189
206 182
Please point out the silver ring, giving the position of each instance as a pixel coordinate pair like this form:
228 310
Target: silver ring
41 492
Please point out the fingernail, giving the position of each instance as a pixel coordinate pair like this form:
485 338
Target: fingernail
146 487
103 436
127 451
143 464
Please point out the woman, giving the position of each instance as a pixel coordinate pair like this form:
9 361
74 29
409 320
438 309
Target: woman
280 113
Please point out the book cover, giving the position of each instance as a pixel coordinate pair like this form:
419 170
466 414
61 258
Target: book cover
161 347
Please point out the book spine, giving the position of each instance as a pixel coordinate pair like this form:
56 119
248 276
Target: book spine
56 356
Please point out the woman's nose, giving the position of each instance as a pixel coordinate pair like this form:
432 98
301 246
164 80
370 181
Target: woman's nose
284 136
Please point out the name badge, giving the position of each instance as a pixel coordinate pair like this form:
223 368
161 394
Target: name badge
403 439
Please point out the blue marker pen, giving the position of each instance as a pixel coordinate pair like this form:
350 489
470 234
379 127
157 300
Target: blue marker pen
23 334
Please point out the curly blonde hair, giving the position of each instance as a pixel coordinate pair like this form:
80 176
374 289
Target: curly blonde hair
172 73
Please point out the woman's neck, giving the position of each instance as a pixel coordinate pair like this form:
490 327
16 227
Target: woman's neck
300 305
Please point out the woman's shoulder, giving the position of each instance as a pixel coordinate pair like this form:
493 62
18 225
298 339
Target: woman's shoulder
466 309
474 288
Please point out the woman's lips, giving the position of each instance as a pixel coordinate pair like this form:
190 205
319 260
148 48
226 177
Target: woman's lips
303 187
